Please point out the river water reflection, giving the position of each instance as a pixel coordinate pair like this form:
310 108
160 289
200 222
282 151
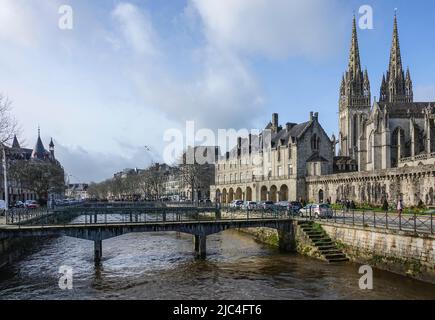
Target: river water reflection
162 266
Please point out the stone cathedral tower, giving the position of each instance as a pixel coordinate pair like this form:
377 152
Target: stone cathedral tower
396 87
354 100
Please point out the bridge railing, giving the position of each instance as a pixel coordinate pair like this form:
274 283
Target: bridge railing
411 222
406 221
20 216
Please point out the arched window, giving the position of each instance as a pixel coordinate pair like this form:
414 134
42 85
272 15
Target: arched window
315 142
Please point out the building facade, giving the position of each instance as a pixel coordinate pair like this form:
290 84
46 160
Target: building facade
17 192
386 148
77 191
274 165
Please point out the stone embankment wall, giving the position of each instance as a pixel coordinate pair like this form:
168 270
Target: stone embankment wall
396 251
392 250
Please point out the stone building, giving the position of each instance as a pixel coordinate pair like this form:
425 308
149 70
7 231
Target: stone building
196 172
77 191
16 192
274 165
390 145
386 148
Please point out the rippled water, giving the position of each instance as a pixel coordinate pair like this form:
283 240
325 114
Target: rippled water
162 266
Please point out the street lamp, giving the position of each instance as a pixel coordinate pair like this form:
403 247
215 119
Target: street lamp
5 179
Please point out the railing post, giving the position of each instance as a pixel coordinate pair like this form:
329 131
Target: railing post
363 222
353 217
431 222
400 220
386 219
415 222
374 219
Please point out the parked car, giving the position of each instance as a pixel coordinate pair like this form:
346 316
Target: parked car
317 211
267 205
249 205
236 204
295 206
18 204
2 205
31 204
323 211
307 210
283 204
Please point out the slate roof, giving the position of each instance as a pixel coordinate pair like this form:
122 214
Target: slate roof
281 137
401 109
39 151
315 157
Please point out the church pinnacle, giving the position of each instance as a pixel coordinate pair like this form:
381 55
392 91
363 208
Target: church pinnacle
355 86
354 67
396 87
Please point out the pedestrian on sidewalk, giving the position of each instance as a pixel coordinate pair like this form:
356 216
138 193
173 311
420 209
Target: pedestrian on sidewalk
400 206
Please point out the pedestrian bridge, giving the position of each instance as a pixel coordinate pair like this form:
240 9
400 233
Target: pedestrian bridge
101 223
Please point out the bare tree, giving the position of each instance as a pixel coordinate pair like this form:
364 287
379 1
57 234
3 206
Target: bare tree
40 177
194 175
8 124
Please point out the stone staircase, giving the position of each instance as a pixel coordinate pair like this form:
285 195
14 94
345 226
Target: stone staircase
322 242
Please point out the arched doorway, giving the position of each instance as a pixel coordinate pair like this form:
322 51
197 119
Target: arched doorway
320 196
248 194
239 195
218 196
263 195
283 193
273 191
224 195
230 195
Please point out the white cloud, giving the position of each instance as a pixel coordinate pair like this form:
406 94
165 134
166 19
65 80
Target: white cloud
136 27
86 166
17 22
224 93
272 28
96 97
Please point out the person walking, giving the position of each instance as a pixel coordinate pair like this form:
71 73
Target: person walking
400 206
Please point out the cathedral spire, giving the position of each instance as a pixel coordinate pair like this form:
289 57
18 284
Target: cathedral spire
395 67
354 67
396 88
354 98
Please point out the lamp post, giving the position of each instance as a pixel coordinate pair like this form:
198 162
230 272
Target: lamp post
5 179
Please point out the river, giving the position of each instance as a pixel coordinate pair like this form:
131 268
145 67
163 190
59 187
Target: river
162 266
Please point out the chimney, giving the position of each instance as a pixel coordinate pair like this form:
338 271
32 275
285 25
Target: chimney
311 115
316 116
275 120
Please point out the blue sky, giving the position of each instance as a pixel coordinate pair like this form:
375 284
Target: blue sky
129 70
